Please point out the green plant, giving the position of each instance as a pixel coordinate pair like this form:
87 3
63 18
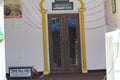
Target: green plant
1 35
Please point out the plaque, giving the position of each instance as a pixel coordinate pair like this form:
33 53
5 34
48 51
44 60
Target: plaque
61 0
20 72
62 6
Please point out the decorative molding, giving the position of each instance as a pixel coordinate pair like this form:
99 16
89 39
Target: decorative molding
82 35
45 53
82 4
82 30
41 4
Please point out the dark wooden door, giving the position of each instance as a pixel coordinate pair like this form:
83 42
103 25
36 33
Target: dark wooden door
64 43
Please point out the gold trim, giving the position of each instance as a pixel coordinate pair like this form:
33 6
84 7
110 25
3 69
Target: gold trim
43 12
41 4
81 12
82 4
83 48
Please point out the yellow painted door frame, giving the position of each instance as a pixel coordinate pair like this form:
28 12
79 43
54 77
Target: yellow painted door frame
43 12
83 41
82 30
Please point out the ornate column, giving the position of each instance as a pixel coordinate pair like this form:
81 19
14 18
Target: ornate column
82 35
43 12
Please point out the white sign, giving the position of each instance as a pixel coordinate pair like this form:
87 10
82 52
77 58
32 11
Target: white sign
61 0
20 72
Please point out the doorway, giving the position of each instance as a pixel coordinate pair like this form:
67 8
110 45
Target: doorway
64 43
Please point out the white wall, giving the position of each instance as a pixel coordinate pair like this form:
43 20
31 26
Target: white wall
118 13
109 16
24 35
95 28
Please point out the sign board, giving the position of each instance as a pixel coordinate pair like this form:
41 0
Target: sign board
62 6
61 0
20 72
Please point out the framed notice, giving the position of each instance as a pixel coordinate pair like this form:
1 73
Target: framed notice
61 0
12 8
62 6
20 72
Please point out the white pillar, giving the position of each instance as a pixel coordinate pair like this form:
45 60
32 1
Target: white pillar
2 44
113 55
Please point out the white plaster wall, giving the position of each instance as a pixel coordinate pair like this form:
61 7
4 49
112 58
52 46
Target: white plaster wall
95 29
118 13
112 19
109 16
24 35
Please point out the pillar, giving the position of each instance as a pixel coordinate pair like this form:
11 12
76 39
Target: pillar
2 44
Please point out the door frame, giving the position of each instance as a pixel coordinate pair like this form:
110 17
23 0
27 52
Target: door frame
64 44
81 11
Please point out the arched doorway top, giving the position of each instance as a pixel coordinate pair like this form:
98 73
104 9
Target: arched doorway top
42 1
82 4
